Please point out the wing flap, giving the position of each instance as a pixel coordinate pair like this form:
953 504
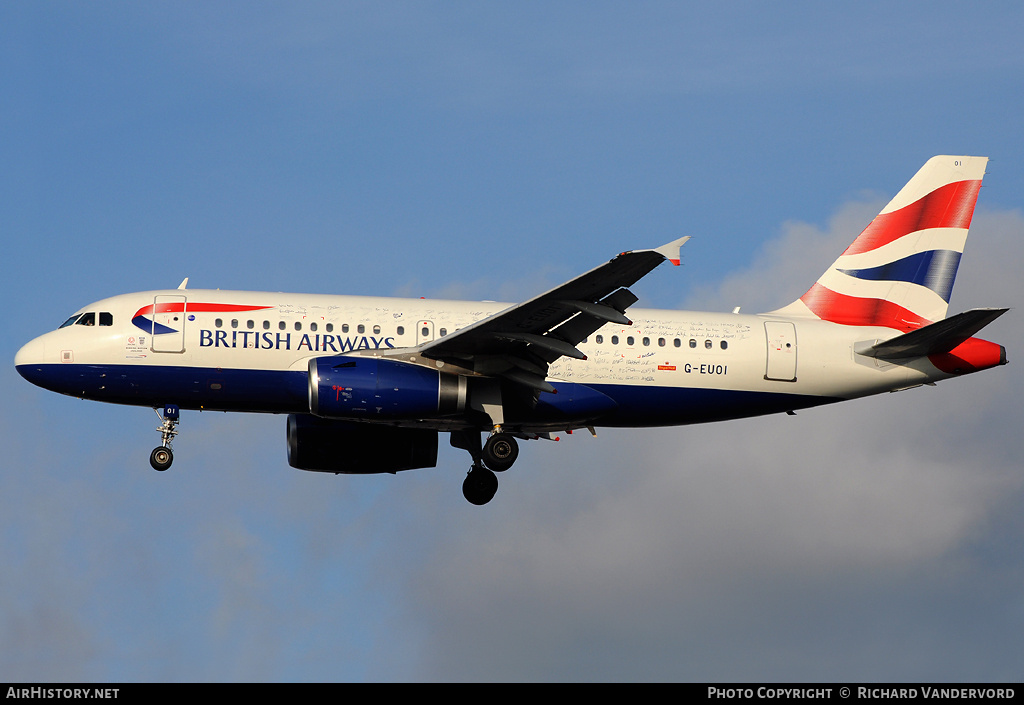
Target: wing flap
545 342
601 312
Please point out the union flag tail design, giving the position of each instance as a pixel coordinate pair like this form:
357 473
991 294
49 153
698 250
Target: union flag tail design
899 272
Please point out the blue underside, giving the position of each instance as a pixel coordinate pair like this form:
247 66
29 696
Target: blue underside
287 392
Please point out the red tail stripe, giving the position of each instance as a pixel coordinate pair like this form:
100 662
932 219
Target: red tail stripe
949 206
856 311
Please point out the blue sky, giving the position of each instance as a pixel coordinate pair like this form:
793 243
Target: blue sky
491 150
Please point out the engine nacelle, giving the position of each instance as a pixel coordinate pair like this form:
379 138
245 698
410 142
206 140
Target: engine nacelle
325 445
349 387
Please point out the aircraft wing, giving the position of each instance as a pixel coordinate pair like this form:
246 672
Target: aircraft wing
519 342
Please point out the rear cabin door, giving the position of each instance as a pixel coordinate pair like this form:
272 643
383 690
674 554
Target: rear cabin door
781 337
169 323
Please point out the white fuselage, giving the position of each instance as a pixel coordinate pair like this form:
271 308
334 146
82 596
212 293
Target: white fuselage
249 351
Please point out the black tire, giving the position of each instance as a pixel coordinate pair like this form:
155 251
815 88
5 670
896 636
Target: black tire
479 486
161 458
500 452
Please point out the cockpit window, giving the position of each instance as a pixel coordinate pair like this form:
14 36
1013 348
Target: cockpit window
87 319
70 321
106 319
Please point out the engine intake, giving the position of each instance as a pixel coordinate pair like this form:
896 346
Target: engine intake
349 387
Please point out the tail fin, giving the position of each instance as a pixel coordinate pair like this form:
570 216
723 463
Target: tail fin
899 272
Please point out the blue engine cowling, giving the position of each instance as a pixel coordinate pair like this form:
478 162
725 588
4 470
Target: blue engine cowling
350 387
326 445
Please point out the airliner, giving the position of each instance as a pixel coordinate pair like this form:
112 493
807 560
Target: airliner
369 383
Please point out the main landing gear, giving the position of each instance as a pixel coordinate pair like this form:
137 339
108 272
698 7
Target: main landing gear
500 451
496 455
162 456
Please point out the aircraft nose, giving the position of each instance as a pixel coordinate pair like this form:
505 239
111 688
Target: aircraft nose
26 360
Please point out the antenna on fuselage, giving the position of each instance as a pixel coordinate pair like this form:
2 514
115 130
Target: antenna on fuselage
184 283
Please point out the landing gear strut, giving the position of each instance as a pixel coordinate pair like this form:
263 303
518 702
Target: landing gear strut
162 456
496 455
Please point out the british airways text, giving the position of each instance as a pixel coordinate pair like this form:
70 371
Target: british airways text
284 341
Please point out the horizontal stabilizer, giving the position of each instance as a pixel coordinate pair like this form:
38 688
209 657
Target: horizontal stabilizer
939 337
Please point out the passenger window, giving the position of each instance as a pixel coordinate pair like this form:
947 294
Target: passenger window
677 342
661 342
724 345
87 319
647 342
707 344
629 340
281 325
312 327
344 327
443 332
250 324
360 328
425 332
330 327
218 323
234 323
298 325
106 319
693 343
615 340
401 330
598 339
376 330
266 325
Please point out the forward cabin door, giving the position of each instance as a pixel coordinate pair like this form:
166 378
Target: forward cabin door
424 332
781 337
169 323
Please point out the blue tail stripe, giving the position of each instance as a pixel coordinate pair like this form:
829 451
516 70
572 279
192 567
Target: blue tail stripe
935 269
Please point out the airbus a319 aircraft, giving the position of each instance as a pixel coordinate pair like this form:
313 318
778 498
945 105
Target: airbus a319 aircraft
369 383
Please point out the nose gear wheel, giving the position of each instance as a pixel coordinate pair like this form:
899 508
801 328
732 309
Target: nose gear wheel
162 456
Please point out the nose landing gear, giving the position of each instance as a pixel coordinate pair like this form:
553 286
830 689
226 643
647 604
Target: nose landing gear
162 456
